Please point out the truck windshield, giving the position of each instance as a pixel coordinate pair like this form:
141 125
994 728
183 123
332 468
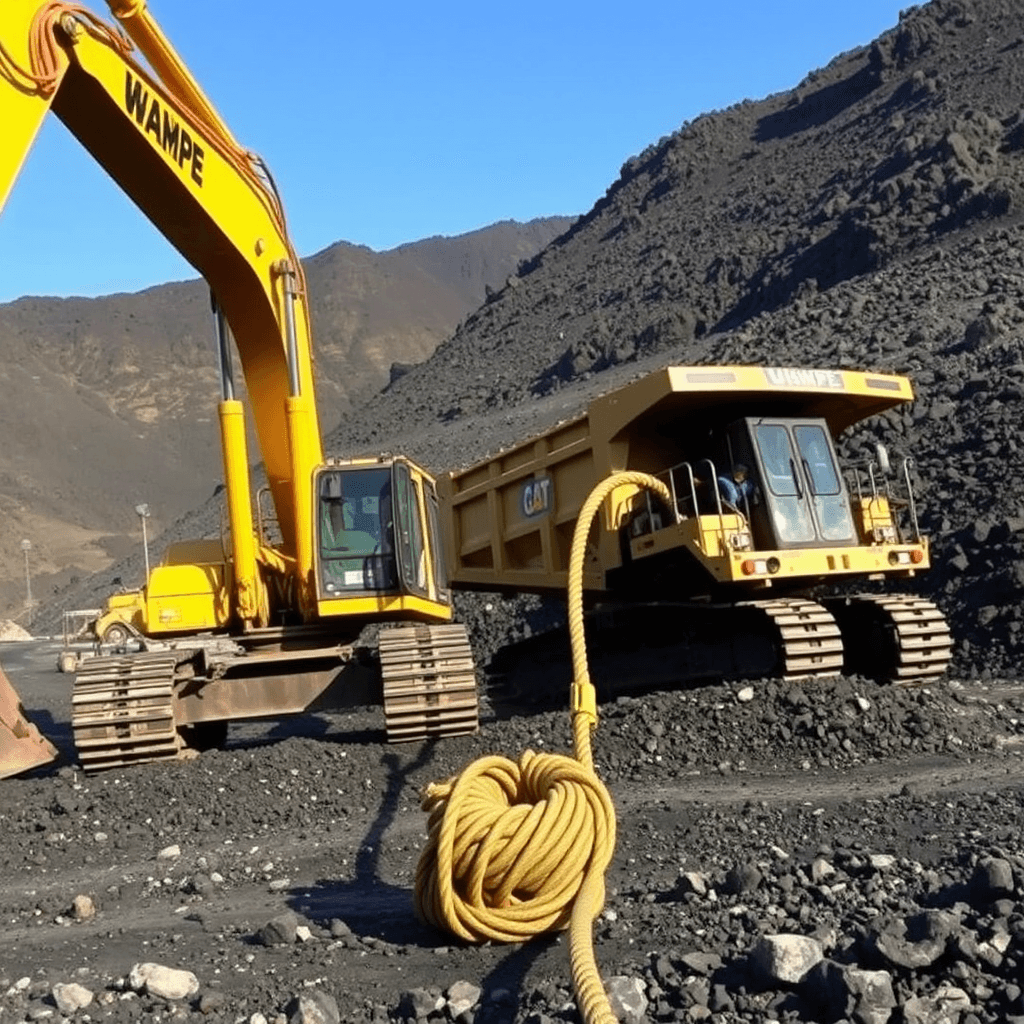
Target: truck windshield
817 458
356 532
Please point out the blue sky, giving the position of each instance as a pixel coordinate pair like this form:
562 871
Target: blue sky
387 123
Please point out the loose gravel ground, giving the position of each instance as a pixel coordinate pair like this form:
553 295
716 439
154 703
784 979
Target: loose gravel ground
878 826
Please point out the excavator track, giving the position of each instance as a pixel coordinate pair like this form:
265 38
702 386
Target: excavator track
810 642
893 637
429 682
122 711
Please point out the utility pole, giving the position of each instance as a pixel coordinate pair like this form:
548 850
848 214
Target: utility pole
26 546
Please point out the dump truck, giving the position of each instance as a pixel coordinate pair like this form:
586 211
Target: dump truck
275 616
740 581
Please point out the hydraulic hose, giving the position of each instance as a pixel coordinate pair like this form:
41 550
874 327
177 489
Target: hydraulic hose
515 849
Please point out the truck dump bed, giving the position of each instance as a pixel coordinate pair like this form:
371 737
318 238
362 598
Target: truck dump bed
509 519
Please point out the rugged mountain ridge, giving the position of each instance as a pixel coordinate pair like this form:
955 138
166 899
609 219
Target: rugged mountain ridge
112 401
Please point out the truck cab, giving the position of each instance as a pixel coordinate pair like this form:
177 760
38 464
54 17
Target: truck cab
800 496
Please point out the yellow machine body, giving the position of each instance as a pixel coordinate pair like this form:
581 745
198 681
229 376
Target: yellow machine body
510 517
806 521
127 97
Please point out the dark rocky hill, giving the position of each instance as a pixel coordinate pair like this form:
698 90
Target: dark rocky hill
869 217
112 401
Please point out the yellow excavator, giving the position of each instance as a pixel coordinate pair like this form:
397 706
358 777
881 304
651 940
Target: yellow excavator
269 619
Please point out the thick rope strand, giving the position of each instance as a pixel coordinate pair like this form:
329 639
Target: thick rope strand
519 848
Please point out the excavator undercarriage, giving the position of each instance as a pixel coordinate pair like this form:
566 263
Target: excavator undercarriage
162 705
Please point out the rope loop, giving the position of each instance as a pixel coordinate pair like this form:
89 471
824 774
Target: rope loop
515 849
510 844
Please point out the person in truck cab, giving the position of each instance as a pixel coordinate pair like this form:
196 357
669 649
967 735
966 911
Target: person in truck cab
737 488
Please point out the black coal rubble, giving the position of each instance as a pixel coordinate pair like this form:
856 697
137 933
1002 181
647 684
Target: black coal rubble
706 901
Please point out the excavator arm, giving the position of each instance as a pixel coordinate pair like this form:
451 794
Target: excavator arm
368 552
160 139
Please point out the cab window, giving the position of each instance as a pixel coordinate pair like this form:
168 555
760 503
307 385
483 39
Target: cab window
817 459
777 459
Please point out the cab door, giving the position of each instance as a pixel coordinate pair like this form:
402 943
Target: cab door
803 498
826 489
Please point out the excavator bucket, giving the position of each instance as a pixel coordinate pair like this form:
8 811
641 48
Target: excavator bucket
22 746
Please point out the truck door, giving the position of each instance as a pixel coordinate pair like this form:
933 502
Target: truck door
804 502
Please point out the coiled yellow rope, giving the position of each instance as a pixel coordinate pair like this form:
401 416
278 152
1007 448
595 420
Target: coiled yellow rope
515 849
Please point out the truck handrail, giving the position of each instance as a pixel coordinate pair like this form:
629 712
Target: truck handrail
911 503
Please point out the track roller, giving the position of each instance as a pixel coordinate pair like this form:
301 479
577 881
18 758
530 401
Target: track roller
429 682
893 637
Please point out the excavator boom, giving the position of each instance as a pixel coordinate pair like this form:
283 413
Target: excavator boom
262 621
161 141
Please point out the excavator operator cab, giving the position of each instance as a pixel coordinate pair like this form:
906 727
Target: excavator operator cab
802 497
377 532
356 531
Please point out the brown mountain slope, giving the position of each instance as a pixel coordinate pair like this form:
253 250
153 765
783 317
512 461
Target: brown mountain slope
111 401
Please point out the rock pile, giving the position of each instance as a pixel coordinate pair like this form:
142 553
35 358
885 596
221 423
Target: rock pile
10 631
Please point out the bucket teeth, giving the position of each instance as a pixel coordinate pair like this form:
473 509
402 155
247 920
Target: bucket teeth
22 746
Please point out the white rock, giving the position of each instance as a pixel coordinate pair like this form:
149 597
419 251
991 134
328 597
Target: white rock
71 998
315 1007
693 881
787 958
947 1006
821 869
164 982
627 998
83 908
169 852
462 997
